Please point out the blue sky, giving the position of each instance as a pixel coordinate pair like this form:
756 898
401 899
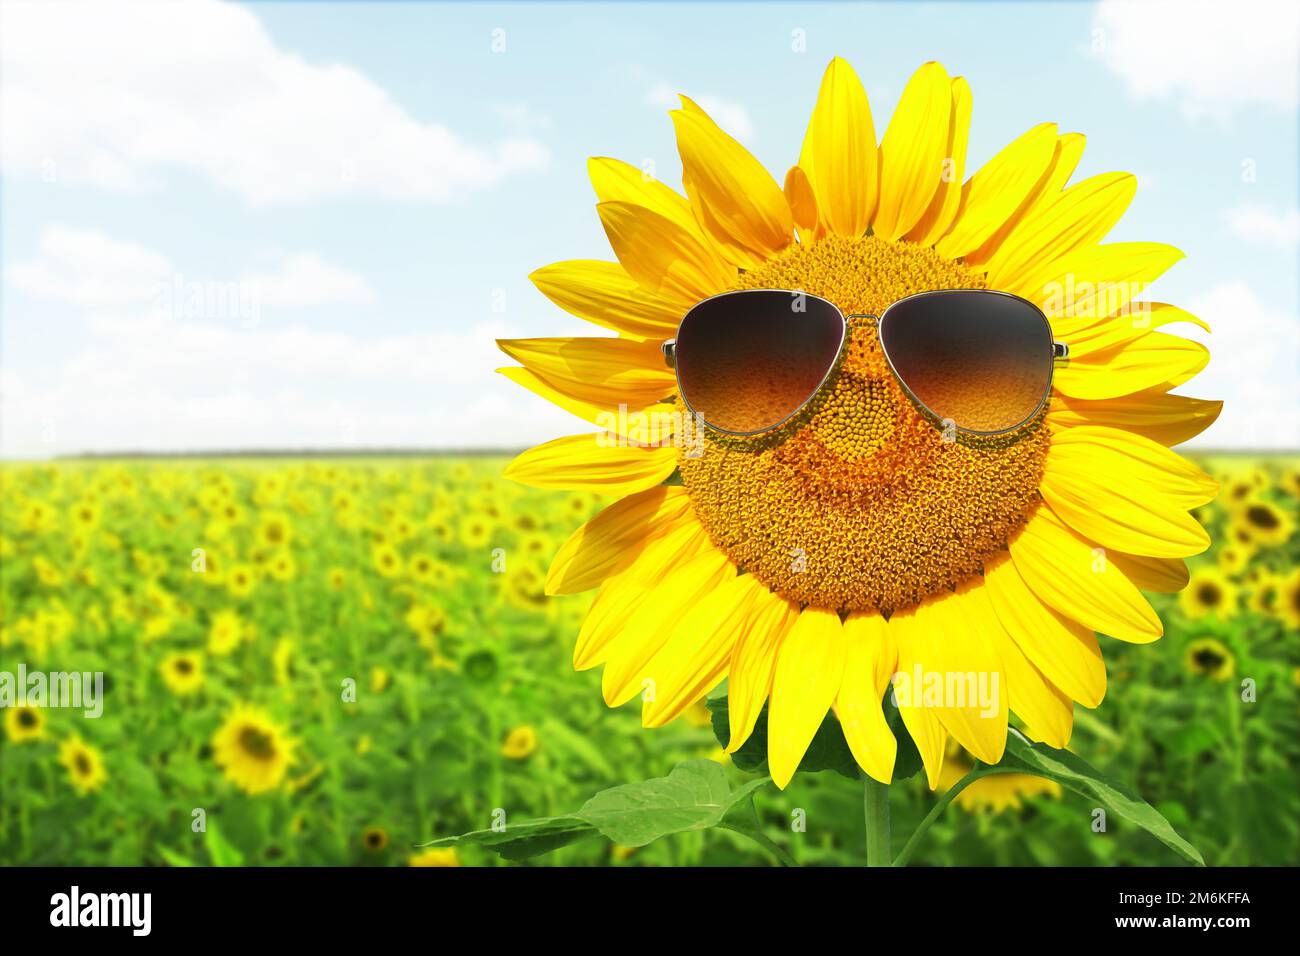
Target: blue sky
379 180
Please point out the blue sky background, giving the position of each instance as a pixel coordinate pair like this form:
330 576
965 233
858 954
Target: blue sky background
386 180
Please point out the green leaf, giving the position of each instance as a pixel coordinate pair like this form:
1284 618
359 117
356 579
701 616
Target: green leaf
1076 774
694 796
221 850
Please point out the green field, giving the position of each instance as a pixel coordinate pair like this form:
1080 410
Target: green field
404 690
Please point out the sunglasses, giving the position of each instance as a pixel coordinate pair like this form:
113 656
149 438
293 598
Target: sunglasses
974 359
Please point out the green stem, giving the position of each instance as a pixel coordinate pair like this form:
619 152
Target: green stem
763 840
875 807
979 770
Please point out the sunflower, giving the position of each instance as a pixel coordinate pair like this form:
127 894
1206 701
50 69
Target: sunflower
84 764
1263 522
386 560
809 565
374 839
253 750
1210 658
995 793
182 672
241 580
225 633
1209 592
1287 605
520 743
24 723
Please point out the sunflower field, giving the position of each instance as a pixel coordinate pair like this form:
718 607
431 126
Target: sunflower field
335 661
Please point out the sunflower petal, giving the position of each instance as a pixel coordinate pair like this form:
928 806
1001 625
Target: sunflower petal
870 657
617 181
1067 653
662 256
1048 712
1152 360
839 153
753 663
746 214
604 294
808 672
1154 413
627 658
612 540
1130 458
601 462
1162 575
1072 576
913 151
1077 218
803 203
696 656
1080 288
1002 185
599 371
910 635
947 197
657 418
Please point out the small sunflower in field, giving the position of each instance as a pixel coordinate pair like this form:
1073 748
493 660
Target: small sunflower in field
423 568
436 857
182 672
282 566
84 764
1265 593
274 530
24 723
225 633
475 531
1263 521
1288 602
253 750
241 580
336 578
520 743
386 560
374 839
808 564
1209 592
1210 658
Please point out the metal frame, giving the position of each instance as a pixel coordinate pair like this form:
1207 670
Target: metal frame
1060 352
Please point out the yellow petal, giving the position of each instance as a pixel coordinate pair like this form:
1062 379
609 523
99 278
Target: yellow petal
1131 458
662 256
994 193
612 540
617 181
1048 713
1071 575
603 463
753 663
1155 414
1124 508
870 658
621 595
1076 219
604 294
1082 287
1162 575
1066 652
803 203
947 196
808 672
1151 360
911 637
1065 159
839 152
913 151
599 371
697 653
658 419
627 657
744 210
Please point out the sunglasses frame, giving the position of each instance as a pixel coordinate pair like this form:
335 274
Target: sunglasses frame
1060 352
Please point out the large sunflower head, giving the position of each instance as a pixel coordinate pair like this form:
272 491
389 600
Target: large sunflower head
253 750
811 565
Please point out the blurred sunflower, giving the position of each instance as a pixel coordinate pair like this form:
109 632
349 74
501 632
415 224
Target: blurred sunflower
1208 592
182 672
1026 547
1210 658
84 764
225 633
374 839
520 743
253 750
436 857
1288 600
24 723
1264 522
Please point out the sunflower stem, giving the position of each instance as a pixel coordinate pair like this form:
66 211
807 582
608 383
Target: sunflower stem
979 770
875 807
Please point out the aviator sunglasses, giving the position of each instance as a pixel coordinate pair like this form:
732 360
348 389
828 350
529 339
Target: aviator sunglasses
981 361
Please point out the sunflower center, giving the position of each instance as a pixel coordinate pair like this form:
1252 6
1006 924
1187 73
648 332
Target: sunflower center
83 764
859 501
1209 660
26 718
256 743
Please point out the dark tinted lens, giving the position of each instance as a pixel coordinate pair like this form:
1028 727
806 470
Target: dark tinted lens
748 360
980 359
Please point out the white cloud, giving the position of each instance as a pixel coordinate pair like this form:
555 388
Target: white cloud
1255 358
1265 227
731 116
87 268
1212 56
115 94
